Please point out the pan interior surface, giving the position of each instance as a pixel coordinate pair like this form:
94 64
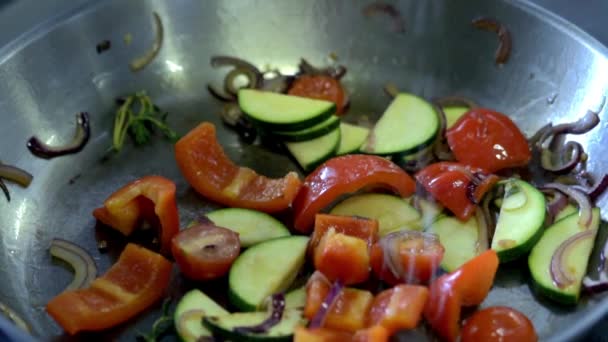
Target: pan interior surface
554 74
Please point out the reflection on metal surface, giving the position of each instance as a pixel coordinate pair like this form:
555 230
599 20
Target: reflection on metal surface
44 80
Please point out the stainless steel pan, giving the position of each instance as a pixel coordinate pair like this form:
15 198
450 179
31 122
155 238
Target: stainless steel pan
555 73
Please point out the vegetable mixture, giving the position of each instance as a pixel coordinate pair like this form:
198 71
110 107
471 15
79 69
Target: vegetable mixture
394 226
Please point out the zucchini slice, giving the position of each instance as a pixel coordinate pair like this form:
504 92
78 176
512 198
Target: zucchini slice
392 212
576 259
459 240
190 310
351 138
452 114
296 299
408 125
252 226
309 154
520 222
266 268
313 132
223 326
280 112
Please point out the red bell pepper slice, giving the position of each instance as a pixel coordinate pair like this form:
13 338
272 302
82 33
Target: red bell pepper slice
151 198
212 174
342 257
376 333
137 280
398 308
343 175
360 227
456 186
467 286
303 334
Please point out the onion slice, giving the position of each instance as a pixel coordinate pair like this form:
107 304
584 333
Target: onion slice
380 7
572 150
15 174
319 319
596 285
85 270
81 137
555 205
584 204
141 62
595 191
483 240
560 275
9 313
504 37
278 307
7 194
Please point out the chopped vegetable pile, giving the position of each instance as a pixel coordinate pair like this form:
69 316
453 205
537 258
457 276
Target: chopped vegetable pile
395 226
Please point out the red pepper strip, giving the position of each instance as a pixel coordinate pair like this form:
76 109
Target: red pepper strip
151 198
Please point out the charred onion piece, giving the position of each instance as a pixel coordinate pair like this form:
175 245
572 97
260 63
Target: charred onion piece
584 204
559 273
380 7
85 270
336 72
141 62
15 174
222 61
277 309
81 137
319 318
452 101
9 313
504 37
582 126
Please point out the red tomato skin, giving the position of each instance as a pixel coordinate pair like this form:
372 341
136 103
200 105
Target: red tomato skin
343 175
320 87
449 182
489 140
201 266
498 324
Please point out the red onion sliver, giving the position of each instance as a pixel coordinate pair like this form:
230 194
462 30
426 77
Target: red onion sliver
584 204
81 137
85 270
140 62
319 319
277 307
560 275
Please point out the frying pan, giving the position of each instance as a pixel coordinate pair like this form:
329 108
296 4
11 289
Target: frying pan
49 74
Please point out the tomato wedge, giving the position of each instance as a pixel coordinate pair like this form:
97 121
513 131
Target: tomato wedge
151 198
418 257
398 308
137 280
456 186
489 140
467 286
212 174
205 251
342 175
320 87
498 324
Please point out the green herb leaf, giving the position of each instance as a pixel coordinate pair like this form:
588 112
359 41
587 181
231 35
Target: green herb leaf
161 326
139 117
